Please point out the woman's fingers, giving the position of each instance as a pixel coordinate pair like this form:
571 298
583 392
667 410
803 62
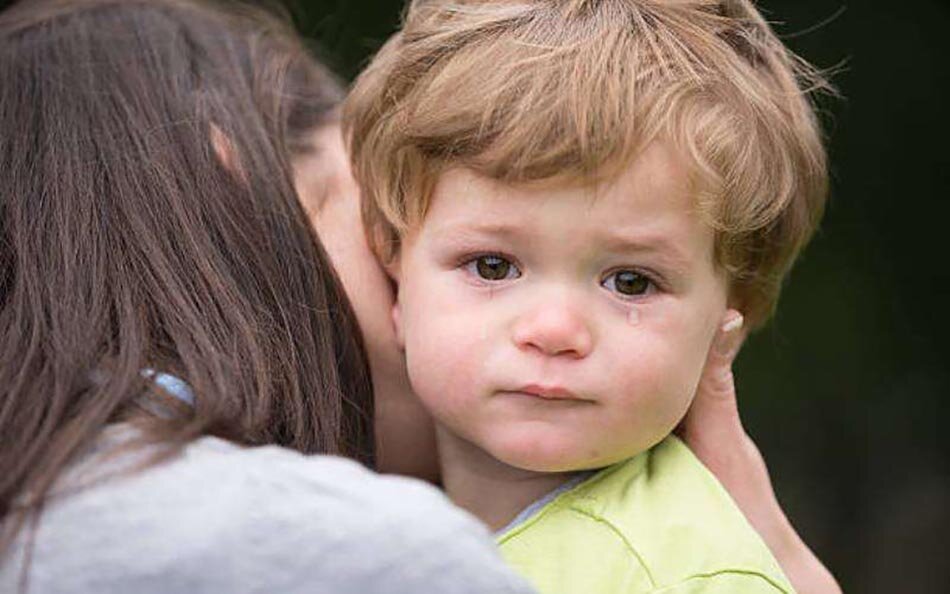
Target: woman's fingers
713 430
717 381
714 409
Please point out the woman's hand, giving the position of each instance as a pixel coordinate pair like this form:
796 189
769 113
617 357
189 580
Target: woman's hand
713 430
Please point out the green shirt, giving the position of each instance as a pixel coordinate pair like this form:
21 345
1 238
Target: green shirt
658 522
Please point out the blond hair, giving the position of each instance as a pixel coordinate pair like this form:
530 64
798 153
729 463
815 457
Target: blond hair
571 90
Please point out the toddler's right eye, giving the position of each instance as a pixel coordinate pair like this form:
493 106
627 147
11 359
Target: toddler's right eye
492 268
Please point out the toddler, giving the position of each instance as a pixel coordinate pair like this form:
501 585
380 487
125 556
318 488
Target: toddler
573 196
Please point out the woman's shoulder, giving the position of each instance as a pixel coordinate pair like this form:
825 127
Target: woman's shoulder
221 517
326 494
213 476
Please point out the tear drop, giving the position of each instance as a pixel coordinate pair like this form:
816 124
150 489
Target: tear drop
633 317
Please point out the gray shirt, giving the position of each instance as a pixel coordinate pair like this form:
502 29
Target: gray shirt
220 518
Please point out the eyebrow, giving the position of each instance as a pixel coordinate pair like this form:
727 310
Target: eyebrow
480 228
656 244
465 229
615 243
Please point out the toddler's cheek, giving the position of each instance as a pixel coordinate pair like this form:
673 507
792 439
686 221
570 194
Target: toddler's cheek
442 371
651 391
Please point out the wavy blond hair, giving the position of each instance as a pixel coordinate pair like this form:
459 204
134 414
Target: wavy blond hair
571 91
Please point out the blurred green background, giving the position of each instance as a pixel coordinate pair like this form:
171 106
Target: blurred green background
845 392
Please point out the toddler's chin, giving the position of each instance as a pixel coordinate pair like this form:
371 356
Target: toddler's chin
549 457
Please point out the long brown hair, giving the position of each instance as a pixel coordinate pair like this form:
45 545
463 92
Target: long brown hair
127 243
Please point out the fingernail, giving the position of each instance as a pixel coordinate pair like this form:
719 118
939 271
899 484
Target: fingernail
734 321
728 343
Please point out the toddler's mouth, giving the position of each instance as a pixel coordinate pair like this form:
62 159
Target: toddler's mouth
553 393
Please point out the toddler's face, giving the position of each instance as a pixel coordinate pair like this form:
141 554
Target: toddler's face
560 329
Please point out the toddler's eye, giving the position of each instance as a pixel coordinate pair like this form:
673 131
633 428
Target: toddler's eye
493 268
628 283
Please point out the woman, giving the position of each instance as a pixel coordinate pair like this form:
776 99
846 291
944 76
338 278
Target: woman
149 228
150 233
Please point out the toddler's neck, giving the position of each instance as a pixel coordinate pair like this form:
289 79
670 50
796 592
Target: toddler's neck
490 489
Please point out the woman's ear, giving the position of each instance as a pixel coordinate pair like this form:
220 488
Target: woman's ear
222 146
224 149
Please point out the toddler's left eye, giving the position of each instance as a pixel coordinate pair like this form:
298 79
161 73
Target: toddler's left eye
627 283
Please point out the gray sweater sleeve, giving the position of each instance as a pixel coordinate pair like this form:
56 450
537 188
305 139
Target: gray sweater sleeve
225 519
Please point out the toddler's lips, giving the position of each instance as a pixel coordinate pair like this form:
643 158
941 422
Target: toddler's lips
549 393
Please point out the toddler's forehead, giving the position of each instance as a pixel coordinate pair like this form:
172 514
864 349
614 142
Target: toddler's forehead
659 169
650 202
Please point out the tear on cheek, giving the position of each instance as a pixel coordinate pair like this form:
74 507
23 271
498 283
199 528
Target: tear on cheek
634 316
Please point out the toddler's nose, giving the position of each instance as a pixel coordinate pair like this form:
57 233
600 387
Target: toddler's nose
554 328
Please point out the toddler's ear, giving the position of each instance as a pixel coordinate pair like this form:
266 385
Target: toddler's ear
392 270
397 324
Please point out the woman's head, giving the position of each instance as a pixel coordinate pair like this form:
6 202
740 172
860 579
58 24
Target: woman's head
127 242
404 431
309 95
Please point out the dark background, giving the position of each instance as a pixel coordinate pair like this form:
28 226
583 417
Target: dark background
846 391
